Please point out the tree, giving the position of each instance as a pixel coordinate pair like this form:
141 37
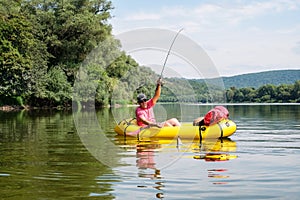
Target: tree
9 7
58 90
20 52
230 94
266 92
71 29
283 93
295 94
248 93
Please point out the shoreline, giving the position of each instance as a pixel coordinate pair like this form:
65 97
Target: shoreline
9 108
12 108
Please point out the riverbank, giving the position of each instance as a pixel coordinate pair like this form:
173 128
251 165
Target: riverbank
9 108
12 108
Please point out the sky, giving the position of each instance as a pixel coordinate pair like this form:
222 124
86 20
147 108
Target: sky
239 36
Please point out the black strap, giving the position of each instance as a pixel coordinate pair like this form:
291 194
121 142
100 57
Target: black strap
131 120
200 134
125 130
200 138
221 129
128 123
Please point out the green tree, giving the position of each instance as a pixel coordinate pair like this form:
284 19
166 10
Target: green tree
9 7
230 94
283 93
248 93
295 94
58 89
20 52
71 29
266 93
238 96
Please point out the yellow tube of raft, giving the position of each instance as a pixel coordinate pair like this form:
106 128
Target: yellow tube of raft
224 128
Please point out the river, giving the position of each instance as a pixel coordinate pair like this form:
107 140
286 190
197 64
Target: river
65 155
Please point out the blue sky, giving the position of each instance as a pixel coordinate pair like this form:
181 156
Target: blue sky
239 36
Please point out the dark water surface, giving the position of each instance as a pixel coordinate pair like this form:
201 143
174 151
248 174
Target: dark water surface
45 155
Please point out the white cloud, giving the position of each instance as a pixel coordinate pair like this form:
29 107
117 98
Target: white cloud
143 16
233 34
296 49
235 13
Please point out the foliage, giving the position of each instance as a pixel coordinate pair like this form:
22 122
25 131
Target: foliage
70 29
134 81
20 52
44 42
58 89
268 93
53 51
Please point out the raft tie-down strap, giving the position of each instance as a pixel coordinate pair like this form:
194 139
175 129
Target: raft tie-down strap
201 123
200 134
131 120
221 129
125 130
141 129
128 123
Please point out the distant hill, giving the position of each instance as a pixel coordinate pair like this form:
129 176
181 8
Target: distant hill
200 90
256 80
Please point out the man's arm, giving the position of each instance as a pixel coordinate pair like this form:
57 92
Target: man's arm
145 121
157 91
149 123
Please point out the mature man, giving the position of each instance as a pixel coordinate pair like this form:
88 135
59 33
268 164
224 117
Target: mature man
144 113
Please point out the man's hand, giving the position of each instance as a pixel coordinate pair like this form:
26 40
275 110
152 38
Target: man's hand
155 125
157 90
160 81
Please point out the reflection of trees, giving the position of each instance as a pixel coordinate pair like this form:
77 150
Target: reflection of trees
262 112
46 159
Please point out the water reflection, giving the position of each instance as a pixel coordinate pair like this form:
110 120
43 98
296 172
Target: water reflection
218 174
42 157
147 155
217 151
211 150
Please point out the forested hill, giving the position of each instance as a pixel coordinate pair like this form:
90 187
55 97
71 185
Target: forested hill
256 80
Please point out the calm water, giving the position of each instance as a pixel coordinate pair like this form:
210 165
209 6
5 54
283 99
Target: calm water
46 155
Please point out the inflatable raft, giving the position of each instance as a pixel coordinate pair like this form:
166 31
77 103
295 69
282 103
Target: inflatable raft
129 127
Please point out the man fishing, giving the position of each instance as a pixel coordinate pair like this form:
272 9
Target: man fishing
144 113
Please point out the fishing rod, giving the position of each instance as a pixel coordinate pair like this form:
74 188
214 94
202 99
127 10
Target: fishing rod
169 52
